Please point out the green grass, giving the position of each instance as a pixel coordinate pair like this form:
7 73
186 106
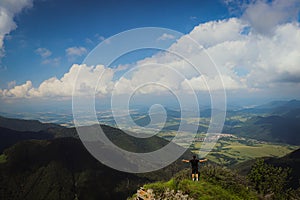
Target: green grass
2 158
261 150
205 190
198 190
236 150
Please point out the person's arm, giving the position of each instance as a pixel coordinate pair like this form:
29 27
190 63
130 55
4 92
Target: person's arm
204 160
187 161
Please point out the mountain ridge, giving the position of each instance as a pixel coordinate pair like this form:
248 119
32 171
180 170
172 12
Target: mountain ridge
25 125
32 166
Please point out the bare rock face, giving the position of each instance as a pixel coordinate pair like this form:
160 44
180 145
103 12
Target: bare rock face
171 194
168 194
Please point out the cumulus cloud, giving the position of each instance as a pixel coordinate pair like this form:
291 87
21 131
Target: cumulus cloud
204 83
8 9
18 90
217 32
265 58
63 87
264 16
267 61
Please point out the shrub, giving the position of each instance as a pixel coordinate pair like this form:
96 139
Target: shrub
269 180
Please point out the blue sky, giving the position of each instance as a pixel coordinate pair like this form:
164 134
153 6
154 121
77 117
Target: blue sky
254 43
59 24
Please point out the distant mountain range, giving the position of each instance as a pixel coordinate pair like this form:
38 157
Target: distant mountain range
271 128
277 121
16 130
274 107
25 125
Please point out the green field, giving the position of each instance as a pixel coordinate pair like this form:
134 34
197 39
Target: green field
229 151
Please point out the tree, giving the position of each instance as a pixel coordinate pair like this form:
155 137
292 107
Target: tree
268 179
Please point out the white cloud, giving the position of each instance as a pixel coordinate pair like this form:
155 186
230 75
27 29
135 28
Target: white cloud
76 51
166 36
266 58
267 61
63 87
204 83
18 90
216 32
43 52
265 16
8 9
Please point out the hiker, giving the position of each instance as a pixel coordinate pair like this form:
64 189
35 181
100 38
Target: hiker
194 164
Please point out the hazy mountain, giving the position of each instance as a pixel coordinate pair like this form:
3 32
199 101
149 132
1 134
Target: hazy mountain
9 137
25 125
271 128
16 130
277 121
274 107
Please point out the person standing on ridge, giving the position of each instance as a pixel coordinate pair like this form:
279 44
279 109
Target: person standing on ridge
194 164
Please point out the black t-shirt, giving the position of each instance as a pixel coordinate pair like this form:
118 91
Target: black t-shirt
194 163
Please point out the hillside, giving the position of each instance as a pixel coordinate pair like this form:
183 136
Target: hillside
63 169
16 130
273 107
271 128
9 137
25 125
215 183
277 121
291 161
262 179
